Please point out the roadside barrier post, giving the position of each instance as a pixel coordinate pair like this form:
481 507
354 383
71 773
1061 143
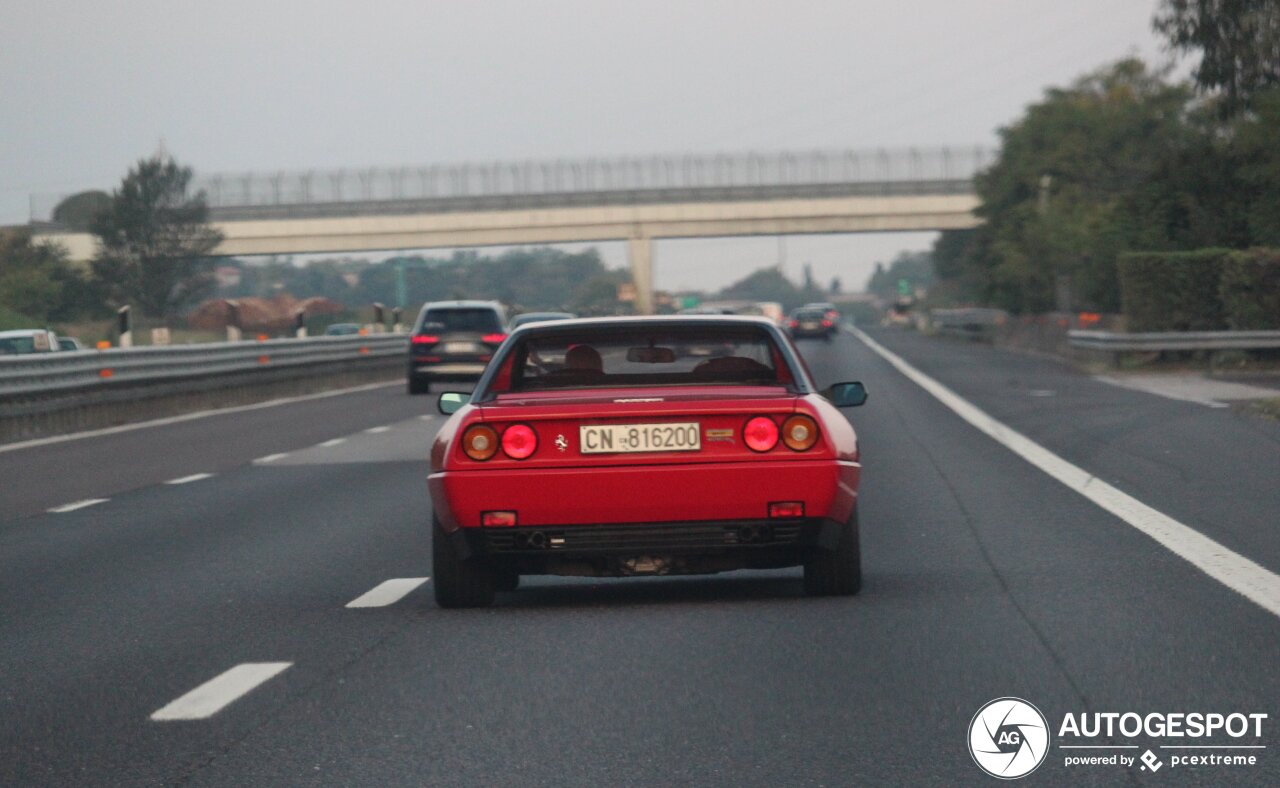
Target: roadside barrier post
124 326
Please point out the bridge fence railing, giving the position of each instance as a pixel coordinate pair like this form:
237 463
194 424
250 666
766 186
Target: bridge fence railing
587 175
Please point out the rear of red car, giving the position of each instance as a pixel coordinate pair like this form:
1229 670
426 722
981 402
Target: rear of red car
699 447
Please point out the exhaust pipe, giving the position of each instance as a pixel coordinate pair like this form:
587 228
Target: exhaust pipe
538 540
748 534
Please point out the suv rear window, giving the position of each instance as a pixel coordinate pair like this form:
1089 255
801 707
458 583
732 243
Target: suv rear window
476 319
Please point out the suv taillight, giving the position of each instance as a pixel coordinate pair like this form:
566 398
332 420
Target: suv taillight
493 339
425 339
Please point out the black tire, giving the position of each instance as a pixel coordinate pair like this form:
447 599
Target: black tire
457 582
837 572
418 386
506 580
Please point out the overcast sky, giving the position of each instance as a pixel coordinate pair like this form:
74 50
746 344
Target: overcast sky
87 88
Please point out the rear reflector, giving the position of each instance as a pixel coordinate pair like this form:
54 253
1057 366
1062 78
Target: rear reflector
784 509
497 518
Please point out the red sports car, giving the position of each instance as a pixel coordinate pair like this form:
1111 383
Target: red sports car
614 447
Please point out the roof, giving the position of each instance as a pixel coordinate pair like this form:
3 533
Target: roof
641 321
462 304
22 332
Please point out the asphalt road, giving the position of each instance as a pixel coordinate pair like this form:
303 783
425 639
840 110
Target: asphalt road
984 578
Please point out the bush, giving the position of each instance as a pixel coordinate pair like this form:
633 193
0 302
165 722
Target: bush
1250 289
1173 291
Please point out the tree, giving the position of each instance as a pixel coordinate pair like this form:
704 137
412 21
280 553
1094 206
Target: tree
79 211
37 281
1102 167
915 267
155 240
1238 41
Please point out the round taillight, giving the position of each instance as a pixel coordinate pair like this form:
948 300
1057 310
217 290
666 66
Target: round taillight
760 434
519 441
799 433
480 442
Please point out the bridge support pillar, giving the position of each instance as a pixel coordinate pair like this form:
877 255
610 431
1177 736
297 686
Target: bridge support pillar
640 254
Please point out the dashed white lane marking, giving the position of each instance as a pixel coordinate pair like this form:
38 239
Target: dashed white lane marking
331 442
388 592
272 457
427 417
1228 567
71 507
195 477
376 430
200 414
217 693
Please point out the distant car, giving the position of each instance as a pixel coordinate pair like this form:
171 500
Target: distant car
811 322
69 343
538 317
453 340
595 447
828 308
28 340
342 329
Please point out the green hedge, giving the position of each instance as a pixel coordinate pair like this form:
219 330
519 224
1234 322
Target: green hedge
1173 291
1250 289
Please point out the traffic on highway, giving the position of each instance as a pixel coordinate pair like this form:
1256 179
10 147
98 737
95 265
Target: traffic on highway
252 598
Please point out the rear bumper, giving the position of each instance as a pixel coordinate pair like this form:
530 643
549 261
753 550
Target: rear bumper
649 548
623 496
446 370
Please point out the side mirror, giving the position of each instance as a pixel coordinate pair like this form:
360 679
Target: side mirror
846 395
451 402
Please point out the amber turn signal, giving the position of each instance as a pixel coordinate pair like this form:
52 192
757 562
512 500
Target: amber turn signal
480 442
799 433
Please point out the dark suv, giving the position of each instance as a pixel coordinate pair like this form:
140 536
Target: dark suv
454 340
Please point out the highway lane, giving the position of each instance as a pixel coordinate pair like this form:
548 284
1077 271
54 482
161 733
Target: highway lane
983 578
65 472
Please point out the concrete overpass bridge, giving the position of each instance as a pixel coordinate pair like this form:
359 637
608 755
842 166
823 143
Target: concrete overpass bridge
633 199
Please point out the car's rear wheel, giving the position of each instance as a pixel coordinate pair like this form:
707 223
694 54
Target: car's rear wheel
837 572
458 582
418 386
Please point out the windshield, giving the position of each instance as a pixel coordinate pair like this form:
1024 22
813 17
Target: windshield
663 356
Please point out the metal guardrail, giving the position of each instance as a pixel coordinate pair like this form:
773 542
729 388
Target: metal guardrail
438 187
55 373
1174 340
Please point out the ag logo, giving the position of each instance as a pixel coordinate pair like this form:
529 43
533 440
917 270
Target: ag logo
1008 738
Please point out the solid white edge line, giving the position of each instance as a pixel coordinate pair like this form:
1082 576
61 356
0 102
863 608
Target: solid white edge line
1247 578
200 414
331 442
195 477
376 430
71 507
387 592
220 691
272 457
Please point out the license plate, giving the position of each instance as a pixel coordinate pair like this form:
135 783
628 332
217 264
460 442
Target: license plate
628 438
459 347
808 325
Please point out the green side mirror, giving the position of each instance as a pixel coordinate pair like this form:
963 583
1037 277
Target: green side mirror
846 395
451 402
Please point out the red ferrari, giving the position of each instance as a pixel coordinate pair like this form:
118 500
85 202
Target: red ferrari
615 447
